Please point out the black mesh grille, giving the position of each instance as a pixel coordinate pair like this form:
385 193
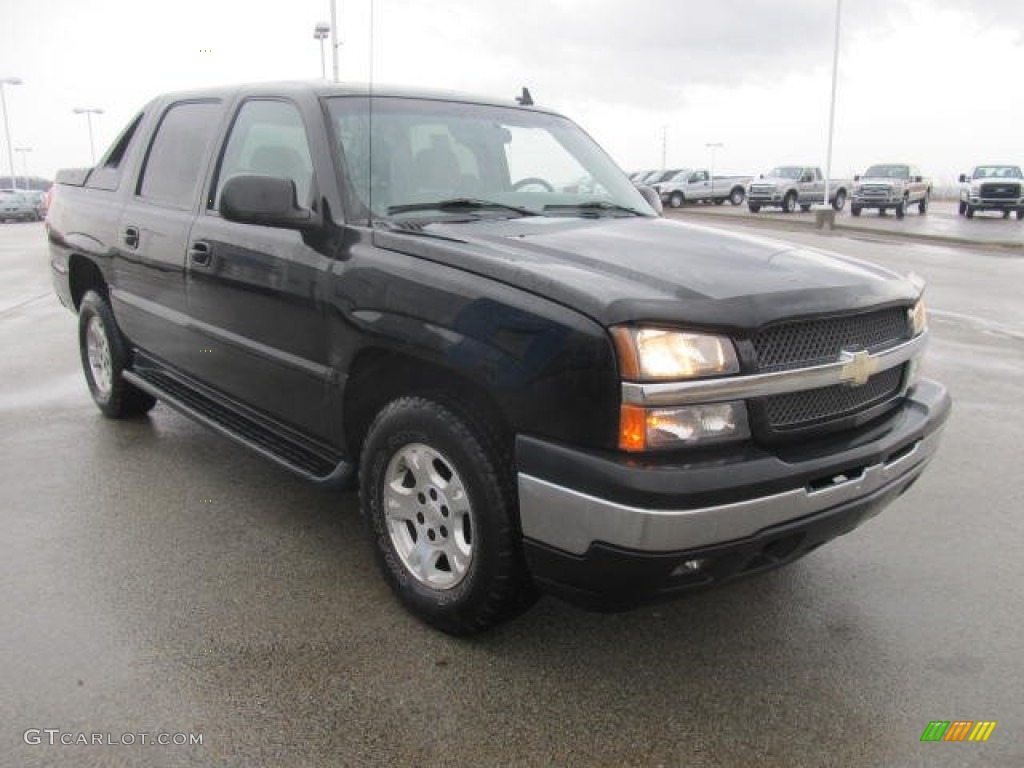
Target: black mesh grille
1006 190
798 409
815 342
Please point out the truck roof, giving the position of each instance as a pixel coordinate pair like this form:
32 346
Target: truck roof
322 89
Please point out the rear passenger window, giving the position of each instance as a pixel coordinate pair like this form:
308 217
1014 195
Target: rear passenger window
107 175
174 164
268 139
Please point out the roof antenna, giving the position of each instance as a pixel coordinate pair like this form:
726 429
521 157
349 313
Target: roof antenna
526 99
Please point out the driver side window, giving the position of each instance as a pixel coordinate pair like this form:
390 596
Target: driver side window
268 138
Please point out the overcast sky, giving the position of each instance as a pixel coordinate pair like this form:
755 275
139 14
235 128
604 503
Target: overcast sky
932 82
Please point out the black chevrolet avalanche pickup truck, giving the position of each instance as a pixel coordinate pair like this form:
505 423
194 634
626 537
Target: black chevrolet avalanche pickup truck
465 307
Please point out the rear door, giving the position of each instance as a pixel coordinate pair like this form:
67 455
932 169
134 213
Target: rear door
255 293
148 290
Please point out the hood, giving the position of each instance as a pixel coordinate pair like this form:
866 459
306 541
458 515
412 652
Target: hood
774 180
618 270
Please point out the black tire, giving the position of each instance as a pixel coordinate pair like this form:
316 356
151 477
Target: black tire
676 200
789 203
753 207
805 207
854 209
1006 214
969 211
922 206
839 201
105 356
737 196
495 584
719 201
901 209
962 210
1020 214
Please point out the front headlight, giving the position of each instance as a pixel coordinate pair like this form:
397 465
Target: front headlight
654 354
918 317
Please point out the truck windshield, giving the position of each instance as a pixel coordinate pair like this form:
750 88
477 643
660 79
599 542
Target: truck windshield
786 172
888 172
423 158
997 172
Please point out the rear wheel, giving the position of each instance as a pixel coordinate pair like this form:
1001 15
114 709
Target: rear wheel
1006 214
104 357
438 495
805 207
675 200
839 201
1020 214
737 196
719 200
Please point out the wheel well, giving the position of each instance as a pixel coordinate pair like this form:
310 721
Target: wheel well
376 377
84 275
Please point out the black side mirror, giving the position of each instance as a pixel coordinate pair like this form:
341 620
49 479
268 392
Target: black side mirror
653 199
963 178
856 177
266 200
919 179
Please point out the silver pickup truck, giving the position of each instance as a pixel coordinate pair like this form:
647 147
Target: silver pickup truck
993 188
891 186
694 185
789 186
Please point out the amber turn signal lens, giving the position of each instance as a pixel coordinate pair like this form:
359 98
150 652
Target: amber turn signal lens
632 428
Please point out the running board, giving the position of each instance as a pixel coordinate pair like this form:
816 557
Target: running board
303 457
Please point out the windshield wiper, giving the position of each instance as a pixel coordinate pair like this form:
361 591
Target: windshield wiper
462 204
595 206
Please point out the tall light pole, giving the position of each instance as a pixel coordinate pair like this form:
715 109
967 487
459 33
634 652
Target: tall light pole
713 146
89 112
832 107
664 147
7 126
24 162
334 39
320 32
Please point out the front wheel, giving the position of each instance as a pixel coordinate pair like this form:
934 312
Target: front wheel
962 210
922 207
854 209
753 207
789 203
969 211
104 357
1020 214
438 494
901 209
839 201
805 207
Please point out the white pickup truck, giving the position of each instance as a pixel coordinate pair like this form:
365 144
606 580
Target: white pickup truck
695 185
789 186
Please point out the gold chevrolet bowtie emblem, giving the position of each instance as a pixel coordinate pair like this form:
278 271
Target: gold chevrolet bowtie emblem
857 368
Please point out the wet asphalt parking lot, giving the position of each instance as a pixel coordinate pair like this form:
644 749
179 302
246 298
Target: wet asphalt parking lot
155 578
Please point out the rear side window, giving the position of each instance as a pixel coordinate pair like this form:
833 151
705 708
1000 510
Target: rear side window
268 138
174 164
107 175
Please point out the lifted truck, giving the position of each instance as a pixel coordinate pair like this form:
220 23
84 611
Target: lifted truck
993 188
534 388
790 186
891 187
